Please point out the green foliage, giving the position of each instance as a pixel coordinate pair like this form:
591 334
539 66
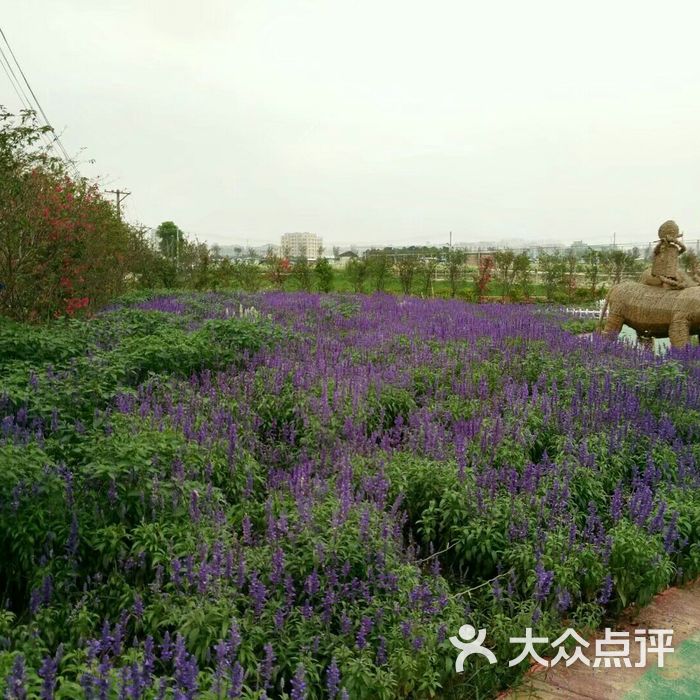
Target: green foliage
580 325
170 239
64 249
379 268
406 268
324 275
455 266
302 274
505 269
357 274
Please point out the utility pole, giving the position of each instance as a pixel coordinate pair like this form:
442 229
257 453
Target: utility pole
121 194
450 241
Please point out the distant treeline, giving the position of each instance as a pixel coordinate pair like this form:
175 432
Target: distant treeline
555 277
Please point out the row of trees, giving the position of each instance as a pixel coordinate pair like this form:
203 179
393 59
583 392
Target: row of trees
508 274
511 275
561 275
515 273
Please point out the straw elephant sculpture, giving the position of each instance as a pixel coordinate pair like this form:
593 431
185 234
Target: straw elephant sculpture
654 312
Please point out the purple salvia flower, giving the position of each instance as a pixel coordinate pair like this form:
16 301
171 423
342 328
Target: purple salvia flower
333 679
671 533
606 590
313 583
247 531
15 689
72 542
166 648
237 677
47 672
268 665
258 593
277 570
195 512
616 504
234 638
563 599
381 657
366 625
543 583
149 657
299 684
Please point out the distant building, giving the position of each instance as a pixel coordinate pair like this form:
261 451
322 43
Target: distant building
579 248
301 245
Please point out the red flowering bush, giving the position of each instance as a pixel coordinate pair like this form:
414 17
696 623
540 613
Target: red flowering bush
63 248
482 279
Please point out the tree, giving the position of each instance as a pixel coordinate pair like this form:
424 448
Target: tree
301 272
503 262
170 240
617 263
406 266
522 273
591 267
569 279
324 275
278 269
378 269
201 267
692 265
63 249
149 268
455 266
357 274
427 269
551 268
483 276
246 275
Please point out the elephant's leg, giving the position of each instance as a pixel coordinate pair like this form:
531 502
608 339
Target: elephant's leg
679 331
613 324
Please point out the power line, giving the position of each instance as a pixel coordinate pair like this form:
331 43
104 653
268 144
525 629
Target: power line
16 86
55 139
24 101
22 97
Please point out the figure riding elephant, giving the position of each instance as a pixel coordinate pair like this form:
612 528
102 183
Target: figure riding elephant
654 312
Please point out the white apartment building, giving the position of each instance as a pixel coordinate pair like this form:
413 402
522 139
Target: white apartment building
297 245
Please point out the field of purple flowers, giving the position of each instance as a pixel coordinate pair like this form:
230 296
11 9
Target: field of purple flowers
306 500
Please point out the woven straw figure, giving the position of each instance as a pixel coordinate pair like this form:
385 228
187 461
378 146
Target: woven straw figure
664 266
652 311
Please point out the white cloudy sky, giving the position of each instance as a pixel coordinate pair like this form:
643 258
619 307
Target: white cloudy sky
377 120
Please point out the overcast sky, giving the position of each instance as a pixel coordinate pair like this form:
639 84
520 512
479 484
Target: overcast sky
371 121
